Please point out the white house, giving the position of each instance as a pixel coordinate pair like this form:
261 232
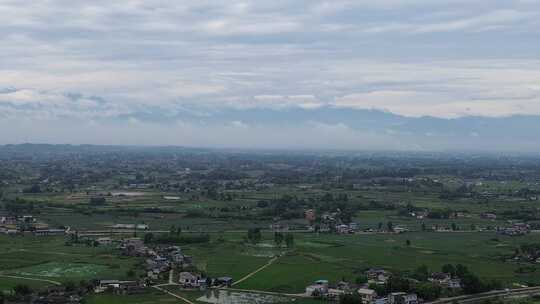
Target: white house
367 295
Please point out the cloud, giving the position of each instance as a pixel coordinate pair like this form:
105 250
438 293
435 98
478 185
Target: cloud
156 60
418 104
490 21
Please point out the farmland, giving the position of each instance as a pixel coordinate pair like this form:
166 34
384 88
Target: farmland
232 213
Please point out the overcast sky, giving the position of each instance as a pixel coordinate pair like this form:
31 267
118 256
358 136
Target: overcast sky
158 72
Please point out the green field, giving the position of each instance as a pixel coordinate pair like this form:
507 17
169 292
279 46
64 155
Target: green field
61 270
50 258
7 284
336 257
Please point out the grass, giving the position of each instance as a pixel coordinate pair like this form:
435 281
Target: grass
332 257
7 284
227 259
49 257
54 270
350 254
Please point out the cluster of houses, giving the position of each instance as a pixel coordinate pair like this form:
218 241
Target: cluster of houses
75 294
195 280
353 227
159 259
488 216
424 214
56 295
159 263
395 230
515 230
445 280
321 289
121 287
531 256
13 225
131 226
376 276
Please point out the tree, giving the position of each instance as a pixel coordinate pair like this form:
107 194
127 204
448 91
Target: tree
361 280
380 226
454 227
408 243
32 189
428 291
421 273
461 270
379 289
450 269
278 238
390 226
423 226
471 284
98 201
350 299
254 235
397 283
148 238
130 273
86 285
289 240
70 286
22 290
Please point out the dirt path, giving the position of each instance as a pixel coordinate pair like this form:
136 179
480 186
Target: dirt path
31 279
173 294
272 260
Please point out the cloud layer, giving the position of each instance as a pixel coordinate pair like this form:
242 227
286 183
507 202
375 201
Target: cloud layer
126 61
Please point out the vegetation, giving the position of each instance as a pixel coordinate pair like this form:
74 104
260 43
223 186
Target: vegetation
412 215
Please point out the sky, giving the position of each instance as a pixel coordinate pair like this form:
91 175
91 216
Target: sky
386 74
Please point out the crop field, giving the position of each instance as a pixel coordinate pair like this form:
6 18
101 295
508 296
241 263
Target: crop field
134 212
343 212
7 284
50 258
63 270
335 257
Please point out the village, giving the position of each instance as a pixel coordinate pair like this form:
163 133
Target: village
168 265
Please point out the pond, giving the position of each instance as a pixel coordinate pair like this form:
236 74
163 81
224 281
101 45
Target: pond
237 297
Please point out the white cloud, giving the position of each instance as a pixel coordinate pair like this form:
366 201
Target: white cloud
491 21
160 58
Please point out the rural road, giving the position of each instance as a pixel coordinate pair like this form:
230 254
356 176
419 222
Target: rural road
172 294
272 260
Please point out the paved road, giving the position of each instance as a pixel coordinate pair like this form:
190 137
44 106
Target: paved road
488 295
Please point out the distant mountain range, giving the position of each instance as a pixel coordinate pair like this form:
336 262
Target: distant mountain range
327 128
522 127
